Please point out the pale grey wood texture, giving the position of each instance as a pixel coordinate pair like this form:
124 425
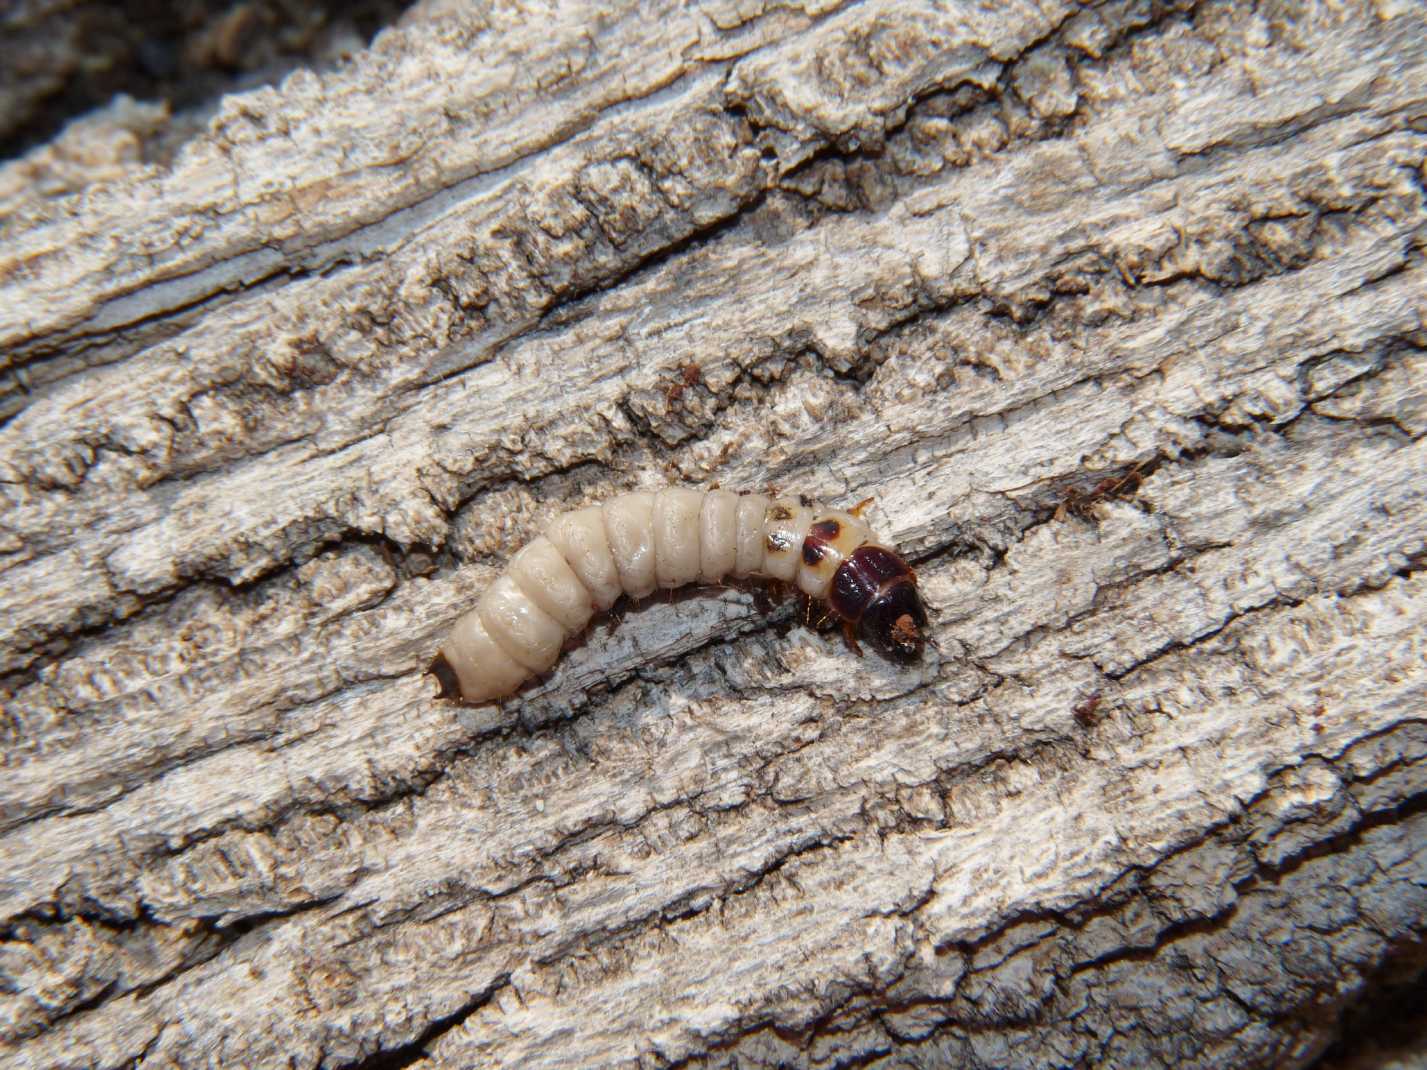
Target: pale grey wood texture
1117 311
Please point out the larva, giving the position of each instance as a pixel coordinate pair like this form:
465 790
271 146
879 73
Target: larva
636 543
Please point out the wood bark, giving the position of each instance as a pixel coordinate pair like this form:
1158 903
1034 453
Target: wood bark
1116 309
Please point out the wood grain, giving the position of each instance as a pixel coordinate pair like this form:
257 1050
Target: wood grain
1116 309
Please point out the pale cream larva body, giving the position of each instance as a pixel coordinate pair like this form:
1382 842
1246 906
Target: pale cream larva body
637 543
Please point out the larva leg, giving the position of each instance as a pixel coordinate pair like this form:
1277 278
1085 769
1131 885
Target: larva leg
861 507
766 596
614 617
849 636
815 615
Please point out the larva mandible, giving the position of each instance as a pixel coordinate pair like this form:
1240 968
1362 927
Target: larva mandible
635 543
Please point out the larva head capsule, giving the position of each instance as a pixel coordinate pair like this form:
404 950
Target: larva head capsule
877 591
894 622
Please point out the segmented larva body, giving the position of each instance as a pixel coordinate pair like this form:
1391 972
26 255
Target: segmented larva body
636 543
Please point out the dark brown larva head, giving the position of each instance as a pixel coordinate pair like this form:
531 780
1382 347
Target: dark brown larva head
895 620
876 590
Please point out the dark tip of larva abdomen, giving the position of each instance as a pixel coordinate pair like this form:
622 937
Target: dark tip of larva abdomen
446 677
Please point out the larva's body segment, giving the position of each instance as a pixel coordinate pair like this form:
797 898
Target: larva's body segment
677 536
718 535
629 524
480 668
580 537
830 541
521 628
784 529
542 572
637 542
748 559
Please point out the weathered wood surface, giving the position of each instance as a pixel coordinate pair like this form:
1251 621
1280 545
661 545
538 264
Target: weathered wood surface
279 402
